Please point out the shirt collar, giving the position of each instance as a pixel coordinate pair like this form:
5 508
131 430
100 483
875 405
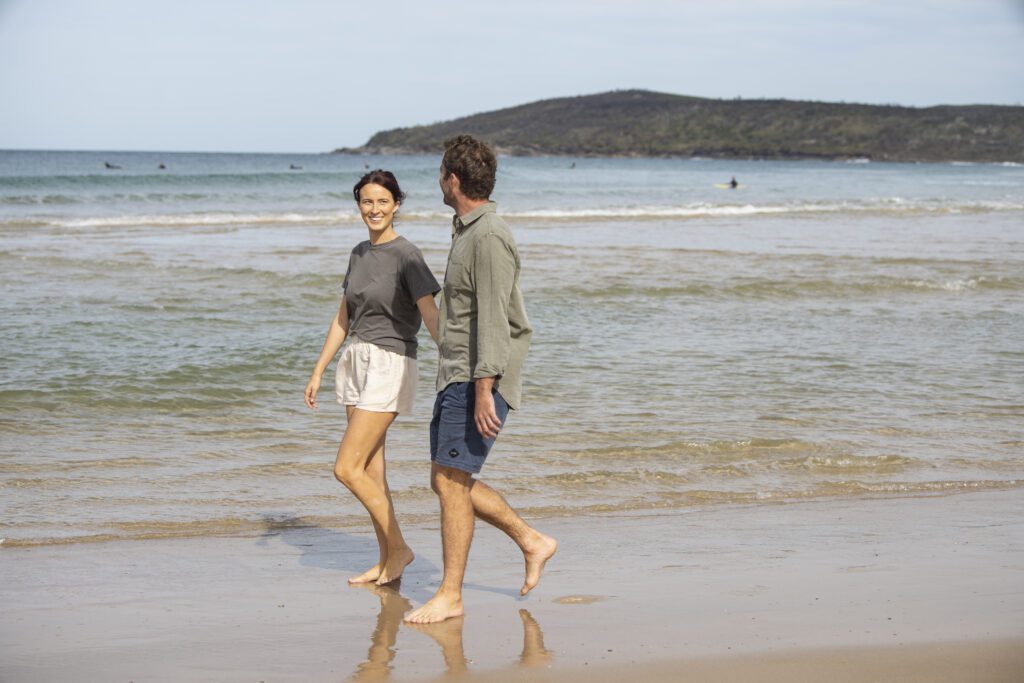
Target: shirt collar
460 223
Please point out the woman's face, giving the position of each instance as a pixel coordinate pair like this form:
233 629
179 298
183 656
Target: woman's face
377 206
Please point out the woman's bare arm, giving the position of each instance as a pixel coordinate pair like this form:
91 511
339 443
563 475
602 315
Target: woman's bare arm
428 309
336 333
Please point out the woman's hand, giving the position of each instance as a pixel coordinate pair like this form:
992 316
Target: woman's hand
428 311
311 389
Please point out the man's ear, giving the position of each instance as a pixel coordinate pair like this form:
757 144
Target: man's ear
454 183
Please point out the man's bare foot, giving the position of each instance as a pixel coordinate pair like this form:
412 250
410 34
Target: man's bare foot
396 564
438 608
369 576
536 556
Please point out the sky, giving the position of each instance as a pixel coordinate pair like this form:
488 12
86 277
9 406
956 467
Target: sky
313 75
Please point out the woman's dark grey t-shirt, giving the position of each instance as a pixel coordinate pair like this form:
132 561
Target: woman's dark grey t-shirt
382 285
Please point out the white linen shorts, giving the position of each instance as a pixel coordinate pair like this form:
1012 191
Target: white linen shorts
372 378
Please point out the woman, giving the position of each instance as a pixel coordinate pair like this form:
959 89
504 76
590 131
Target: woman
388 290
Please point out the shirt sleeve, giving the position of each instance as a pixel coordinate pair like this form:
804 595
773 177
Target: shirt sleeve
494 272
417 278
348 271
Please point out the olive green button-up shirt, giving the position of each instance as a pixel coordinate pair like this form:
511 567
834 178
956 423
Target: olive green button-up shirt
482 325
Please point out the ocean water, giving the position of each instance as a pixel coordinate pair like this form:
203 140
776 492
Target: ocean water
827 330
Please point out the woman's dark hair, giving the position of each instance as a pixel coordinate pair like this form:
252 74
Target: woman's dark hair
474 163
385 179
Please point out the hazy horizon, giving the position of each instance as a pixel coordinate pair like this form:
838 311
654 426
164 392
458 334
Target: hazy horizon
331 150
312 75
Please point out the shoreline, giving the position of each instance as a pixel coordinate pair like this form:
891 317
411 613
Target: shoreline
253 528
719 590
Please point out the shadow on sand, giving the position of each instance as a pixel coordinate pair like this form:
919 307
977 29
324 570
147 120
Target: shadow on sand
351 554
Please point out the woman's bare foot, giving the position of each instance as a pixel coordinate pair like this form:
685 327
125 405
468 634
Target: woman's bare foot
536 556
396 564
369 576
438 608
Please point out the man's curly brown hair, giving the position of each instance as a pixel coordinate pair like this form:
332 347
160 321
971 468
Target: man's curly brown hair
474 163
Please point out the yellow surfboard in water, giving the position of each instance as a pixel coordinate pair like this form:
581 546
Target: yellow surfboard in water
727 186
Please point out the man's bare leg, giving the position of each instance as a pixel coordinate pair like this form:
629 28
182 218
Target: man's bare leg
537 548
363 440
453 488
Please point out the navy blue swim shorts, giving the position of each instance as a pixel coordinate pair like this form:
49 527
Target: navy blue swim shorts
454 439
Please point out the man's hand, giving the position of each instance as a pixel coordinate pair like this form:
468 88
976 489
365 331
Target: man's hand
487 422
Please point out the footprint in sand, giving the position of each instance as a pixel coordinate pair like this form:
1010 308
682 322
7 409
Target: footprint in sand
578 599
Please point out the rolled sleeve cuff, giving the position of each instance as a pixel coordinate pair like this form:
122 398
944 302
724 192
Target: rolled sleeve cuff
485 371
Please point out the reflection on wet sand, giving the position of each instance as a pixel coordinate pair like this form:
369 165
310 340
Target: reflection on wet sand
534 653
393 607
447 635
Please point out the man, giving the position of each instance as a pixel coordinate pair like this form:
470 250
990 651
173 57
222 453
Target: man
484 335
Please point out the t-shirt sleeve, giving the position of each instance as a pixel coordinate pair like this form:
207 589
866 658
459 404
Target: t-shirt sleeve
417 278
348 271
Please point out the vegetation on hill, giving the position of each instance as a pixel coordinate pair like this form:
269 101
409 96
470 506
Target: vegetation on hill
644 123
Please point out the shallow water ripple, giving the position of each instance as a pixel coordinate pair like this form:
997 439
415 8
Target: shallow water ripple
153 369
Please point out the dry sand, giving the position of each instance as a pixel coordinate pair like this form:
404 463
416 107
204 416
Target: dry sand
911 589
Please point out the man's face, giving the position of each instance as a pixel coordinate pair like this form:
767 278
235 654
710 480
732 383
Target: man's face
444 180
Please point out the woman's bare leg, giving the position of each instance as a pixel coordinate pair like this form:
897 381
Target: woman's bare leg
374 467
360 467
394 561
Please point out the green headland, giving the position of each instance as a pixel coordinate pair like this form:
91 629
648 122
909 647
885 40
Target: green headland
651 124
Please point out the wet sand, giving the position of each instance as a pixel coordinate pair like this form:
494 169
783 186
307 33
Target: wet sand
978 662
850 590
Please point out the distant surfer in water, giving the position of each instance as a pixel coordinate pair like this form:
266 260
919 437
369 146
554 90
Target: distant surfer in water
733 184
388 292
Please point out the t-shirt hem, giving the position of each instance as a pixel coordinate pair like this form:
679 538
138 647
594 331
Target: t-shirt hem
404 351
